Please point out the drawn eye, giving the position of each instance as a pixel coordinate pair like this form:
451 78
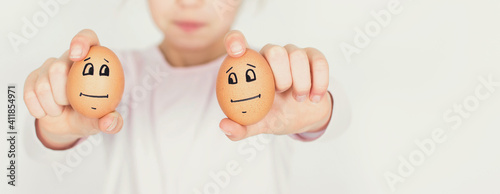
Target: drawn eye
250 75
104 70
232 79
88 69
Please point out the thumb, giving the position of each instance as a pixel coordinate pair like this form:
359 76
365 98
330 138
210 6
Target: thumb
81 43
111 123
235 43
237 132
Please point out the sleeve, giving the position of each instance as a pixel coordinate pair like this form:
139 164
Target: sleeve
340 118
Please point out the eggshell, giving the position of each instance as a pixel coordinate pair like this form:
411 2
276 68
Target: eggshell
95 85
242 98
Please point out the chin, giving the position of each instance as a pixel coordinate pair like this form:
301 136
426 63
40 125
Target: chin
191 43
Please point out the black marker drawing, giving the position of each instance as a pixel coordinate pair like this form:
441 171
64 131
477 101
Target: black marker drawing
241 100
232 79
229 69
250 75
88 69
104 71
93 96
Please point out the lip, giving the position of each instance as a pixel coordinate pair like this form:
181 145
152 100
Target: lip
189 26
94 96
245 99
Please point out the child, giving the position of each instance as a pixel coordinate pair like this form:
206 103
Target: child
169 112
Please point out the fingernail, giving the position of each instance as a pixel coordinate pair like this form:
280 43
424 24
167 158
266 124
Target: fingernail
226 132
301 98
316 98
236 48
113 124
76 52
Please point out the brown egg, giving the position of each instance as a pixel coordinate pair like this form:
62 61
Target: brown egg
95 85
245 88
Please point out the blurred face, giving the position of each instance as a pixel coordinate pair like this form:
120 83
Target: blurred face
194 24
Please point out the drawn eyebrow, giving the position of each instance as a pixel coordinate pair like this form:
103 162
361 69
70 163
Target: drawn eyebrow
251 65
229 69
106 60
86 59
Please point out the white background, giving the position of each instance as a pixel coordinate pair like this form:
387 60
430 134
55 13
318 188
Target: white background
427 59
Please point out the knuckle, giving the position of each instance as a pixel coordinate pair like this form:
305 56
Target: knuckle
267 46
320 64
298 54
58 68
29 80
275 50
49 60
29 96
312 49
42 88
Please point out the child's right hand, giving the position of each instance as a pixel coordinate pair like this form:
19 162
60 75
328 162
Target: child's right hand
58 126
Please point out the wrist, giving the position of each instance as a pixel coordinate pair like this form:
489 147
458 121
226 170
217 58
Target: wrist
55 141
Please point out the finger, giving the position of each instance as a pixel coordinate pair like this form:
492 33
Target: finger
236 132
81 43
301 74
43 91
277 57
58 76
319 74
235 43
30 98
111 123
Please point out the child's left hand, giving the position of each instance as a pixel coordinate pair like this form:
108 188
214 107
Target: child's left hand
301 103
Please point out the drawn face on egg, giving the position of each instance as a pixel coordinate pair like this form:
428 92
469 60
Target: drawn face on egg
249 77
95 85
245 88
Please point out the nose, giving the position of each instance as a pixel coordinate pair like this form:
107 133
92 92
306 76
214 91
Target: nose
190 3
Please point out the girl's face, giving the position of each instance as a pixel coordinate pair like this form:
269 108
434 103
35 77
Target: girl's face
194 24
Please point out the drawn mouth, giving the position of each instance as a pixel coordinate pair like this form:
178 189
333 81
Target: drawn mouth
243 112
241 100
93 96
93 108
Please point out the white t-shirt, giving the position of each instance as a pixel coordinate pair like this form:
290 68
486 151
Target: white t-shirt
170 141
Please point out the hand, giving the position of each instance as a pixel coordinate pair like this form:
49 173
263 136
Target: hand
58 125
301 79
